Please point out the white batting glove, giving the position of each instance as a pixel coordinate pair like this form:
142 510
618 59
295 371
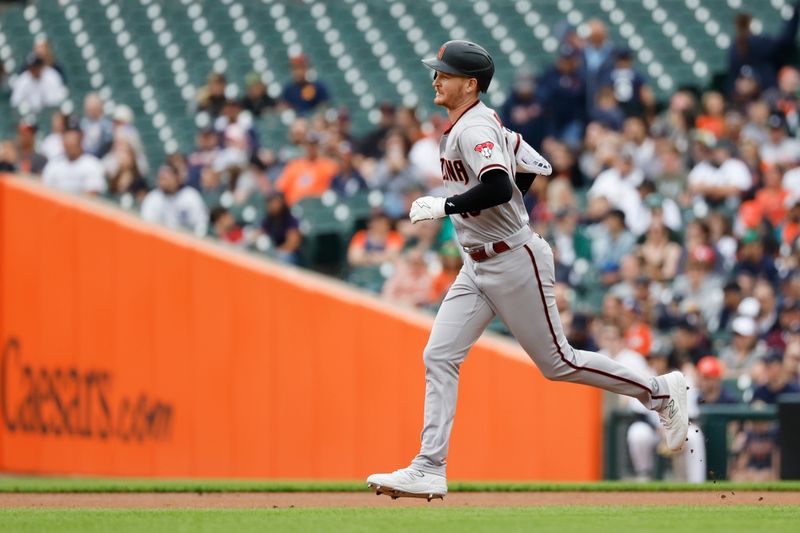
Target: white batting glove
529 161
427 208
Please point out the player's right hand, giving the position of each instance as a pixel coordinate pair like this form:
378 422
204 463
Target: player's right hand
427 208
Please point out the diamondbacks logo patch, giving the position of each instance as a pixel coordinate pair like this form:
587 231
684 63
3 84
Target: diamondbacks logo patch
485 149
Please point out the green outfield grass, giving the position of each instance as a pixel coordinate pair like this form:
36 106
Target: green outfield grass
460 520
85 484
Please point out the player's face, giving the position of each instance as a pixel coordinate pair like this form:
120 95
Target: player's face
450 90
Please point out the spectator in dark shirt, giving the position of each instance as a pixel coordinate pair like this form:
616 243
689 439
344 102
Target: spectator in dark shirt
282 229
522 110
29 160
302 94
606 110
777 382
374 143
784 99
348 181
256 100
42 49
563 92
752 258
631 90
763 53
711 391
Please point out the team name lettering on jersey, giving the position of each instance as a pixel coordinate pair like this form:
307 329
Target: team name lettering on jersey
454 170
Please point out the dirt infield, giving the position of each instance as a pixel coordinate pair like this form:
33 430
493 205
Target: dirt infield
360 499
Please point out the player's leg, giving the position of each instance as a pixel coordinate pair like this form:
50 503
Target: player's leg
522 293
462 317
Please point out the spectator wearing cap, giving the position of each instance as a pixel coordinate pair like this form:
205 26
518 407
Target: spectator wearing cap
776 381
98 131
709 383
731 299
635 97
302 94
787 326
29 161
282 228
206 150
256 99
523 110
563 93
211 97
348 181
746 89
175 205
76 171
52 146
744 349
310 175
779 149
722 177
763 53
611 240
37 88
689 343
753 259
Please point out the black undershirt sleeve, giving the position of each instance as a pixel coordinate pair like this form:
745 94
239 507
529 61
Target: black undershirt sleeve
493 189
524 181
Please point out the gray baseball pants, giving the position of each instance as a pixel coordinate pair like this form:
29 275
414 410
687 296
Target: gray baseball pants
518 286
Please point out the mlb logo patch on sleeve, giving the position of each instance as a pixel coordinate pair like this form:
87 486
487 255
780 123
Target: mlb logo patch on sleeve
485 149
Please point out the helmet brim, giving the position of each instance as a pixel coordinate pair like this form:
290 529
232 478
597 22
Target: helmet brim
440 66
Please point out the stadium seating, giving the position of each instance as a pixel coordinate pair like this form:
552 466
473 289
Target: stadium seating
154 56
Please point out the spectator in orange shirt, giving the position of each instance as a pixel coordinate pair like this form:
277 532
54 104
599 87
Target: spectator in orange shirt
451 266
375 245
713 117
307 176
411 282
773 199
638 336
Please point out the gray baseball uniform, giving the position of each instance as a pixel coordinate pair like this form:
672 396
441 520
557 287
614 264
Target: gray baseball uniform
514 280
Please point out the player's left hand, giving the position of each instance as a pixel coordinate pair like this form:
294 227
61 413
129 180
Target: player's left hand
427 208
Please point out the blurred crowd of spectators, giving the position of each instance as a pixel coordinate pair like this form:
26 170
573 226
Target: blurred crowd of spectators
676 222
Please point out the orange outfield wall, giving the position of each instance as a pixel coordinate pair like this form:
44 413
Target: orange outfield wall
128 349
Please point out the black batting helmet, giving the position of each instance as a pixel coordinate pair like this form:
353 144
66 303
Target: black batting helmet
463 58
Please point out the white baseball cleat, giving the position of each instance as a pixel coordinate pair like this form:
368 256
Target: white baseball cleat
674 416
408 483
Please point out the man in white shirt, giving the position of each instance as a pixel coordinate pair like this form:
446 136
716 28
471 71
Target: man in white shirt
779 149
38 87
175 205
720 177
75 171
618 185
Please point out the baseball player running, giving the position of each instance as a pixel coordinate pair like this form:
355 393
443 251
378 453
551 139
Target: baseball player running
508 272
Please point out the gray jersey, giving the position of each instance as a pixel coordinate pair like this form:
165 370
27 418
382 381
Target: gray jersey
473 145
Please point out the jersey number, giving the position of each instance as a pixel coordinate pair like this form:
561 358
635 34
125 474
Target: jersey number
470 214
